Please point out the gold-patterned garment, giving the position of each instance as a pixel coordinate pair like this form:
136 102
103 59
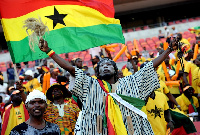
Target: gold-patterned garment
66 122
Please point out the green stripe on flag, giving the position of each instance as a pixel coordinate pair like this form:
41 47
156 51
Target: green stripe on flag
136 102
182 120
67 39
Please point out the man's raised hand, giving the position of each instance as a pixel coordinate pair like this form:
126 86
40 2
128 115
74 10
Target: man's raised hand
43 45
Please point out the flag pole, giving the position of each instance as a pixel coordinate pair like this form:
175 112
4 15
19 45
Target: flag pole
17 76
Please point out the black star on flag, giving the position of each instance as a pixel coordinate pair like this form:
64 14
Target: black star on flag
57 18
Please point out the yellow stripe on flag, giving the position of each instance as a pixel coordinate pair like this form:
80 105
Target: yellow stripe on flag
77 16
12 122
115 116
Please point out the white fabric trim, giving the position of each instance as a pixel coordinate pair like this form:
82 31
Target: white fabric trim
129 106
60 109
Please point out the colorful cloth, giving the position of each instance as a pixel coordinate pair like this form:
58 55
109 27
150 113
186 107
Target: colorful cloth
11 119
91 94
65 118
86 23
184 102
155 113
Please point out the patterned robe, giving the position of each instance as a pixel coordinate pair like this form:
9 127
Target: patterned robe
139 85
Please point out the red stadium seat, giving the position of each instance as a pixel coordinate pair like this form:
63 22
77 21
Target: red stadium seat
148 39
129 43
123 31
130 30
141 40
197 18
170 23
155 39
138 28
146 27
177 22
190 19
184 21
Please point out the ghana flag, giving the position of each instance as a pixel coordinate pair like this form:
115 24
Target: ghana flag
73 25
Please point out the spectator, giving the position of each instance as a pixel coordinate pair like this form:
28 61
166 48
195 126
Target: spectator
91 92
145 53
36 125
160 34
15 113
166 31
158 113
79 63
95 60
187 101
174 32
3 87
96 51
67 57
182 40
20 71
61 113
32 82
11 75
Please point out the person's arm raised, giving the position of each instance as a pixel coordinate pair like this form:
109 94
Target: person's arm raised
60 61
157 61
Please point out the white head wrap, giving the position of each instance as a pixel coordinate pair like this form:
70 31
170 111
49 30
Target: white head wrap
35 94
29 72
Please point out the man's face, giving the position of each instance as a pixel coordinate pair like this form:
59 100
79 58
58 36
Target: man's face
189 92
16 98
57 93
36 107
106 68
79 63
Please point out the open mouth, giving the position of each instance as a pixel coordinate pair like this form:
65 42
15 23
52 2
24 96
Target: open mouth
106 71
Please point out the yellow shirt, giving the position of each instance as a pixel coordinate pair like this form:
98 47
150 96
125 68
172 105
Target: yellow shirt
196 80
184 102
185 41
18 115
190 67
163 89
155 113
161 75
32 84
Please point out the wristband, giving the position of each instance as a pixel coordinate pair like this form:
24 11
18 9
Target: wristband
50 52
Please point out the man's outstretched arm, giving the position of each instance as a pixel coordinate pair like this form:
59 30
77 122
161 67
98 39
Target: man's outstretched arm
157 61
60 61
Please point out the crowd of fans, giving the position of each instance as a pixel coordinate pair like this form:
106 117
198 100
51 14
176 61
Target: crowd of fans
50 94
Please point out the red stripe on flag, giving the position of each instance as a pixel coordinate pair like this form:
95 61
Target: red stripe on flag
26 114
17 8
6 119
111 130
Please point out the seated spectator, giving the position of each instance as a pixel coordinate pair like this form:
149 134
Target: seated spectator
187 101
160 35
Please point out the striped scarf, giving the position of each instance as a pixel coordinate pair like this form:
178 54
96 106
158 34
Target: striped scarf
113 118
